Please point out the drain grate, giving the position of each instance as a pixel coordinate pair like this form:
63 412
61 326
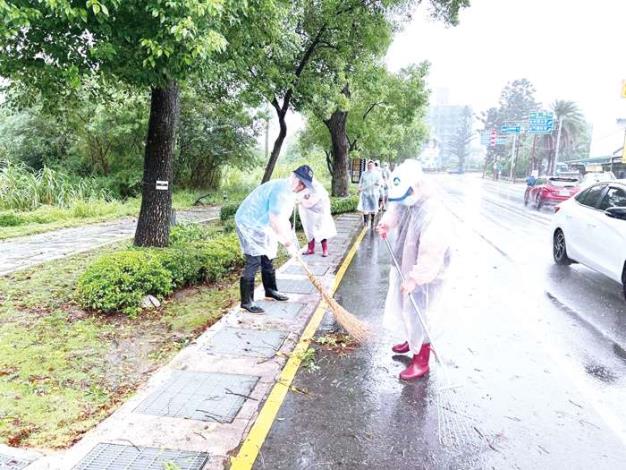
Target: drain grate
200 395
121 457
246 342
8 462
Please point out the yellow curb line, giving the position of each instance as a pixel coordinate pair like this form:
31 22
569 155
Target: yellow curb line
250 448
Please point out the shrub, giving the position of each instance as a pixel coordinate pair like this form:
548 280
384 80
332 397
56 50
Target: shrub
10 219
228 211
185 233
119 281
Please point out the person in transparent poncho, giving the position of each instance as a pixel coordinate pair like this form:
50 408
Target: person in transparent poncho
422 249
262 221
317 220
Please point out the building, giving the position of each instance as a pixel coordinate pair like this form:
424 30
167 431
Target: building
445 121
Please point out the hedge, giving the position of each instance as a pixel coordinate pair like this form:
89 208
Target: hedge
338 205
118 282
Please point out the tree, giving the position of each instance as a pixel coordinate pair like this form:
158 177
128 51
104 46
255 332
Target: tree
463 138
573 127
149 44
365 48
386 121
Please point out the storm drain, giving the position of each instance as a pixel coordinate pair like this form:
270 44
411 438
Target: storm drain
121 457
281 310
295 286
11 463
246 342
201 396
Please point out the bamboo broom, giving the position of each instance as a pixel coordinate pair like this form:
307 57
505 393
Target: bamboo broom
355 327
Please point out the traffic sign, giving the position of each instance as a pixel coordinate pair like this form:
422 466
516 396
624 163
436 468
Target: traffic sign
510 128
493 138
541 123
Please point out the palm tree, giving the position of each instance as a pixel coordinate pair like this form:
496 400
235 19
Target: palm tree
573 126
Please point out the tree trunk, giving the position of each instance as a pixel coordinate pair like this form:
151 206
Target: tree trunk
153 226
278 143
340 177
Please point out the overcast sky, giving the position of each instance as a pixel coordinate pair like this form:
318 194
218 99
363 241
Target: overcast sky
569 49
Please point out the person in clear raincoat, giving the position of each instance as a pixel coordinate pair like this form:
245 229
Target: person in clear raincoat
369 193
317 220
422 247
384 173
262 221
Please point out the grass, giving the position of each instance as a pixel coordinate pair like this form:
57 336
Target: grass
63 370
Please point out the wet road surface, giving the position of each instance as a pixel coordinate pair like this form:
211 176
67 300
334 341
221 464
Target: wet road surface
536 353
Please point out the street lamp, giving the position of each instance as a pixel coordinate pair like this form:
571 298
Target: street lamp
558 142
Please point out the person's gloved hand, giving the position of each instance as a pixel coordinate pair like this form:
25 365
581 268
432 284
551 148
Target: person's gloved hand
383 230
408 286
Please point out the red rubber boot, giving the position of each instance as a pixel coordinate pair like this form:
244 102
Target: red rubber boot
324 248
402 348
419 365
311 249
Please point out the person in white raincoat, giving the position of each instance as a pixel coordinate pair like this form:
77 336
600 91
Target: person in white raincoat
369 193
262 220
421 247
317 220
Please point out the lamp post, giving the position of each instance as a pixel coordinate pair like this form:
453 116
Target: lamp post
558 142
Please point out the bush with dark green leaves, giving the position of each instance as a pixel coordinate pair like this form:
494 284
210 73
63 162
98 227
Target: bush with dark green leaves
118 282
10 219
228 211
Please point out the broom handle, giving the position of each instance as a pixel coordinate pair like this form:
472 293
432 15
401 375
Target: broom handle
420 317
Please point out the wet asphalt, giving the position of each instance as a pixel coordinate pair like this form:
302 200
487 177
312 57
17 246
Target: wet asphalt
535 355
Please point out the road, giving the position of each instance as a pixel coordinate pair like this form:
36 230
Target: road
535 353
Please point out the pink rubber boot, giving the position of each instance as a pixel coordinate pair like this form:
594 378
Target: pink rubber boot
324 248
401 348
419 365
311 249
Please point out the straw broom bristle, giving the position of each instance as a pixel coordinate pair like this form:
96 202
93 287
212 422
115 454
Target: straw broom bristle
349 322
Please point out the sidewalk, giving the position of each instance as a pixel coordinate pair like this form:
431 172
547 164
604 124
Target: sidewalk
20 253
195 411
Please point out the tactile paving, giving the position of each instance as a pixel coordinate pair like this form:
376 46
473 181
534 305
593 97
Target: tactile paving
201 396
246 342
123 457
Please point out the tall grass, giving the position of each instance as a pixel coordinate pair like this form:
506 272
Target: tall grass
24 190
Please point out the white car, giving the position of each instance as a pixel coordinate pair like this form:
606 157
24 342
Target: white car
590 229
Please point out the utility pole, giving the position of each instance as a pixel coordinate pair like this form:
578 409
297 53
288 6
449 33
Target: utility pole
513 155
558 142
532 157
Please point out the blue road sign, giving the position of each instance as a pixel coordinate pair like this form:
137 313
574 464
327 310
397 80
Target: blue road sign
510 128
541 123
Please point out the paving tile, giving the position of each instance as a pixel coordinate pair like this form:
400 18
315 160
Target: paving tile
281 310
295 286
246 342
8 462
317 270
122 457
201 396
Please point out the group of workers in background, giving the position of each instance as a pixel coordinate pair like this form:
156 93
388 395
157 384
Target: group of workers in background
373 190
420 246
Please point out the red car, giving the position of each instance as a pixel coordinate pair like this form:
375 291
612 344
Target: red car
551 191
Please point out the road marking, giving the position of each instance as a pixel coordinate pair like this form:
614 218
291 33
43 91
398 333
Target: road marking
251 447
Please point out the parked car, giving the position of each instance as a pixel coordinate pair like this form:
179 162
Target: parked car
550 191
596 177
590 229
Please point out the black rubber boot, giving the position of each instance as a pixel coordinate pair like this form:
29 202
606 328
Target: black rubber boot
246 290
373 221
271 291
365 219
